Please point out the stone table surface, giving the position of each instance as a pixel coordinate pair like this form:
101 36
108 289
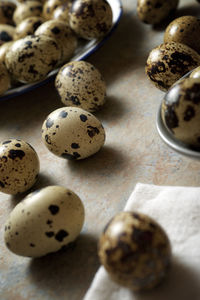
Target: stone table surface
133 153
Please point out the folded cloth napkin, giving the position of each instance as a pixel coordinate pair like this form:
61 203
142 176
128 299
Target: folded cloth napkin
177 209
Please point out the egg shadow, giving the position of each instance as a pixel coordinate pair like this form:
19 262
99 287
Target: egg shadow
67 272
122 52
26 111
181 283
107 160
113 109
189 10
42 181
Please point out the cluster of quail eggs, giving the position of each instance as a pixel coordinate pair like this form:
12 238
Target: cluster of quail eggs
51 218
133 248
39 36
169 62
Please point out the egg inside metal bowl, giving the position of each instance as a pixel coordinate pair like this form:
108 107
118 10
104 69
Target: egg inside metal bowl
85 48
189 150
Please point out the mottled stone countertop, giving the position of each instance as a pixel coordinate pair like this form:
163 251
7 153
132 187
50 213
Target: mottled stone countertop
133 153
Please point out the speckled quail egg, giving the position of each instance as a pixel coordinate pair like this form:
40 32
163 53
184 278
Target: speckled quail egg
61 13
46 221
27 27
7 9
79 83
195 73
170 61
153 11
135 251
5 80
28 9
185 30
50 6
181 111
30 59
4 49
7 33
63 35
19 166
90 18
72 133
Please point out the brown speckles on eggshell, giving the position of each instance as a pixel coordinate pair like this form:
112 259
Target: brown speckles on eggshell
30 59
169 62
185 30
37 234
90 18
63 36
80 84
181 111
25 10
19 167
154 11
134 253
77 130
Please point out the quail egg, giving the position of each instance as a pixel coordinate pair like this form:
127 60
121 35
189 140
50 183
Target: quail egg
5 80
169 62
181 111
90 18
63 35
44 222
27 9
7 33
7 9
185 30
72 133
28 27
4 49
19 166
61 13
135 251
79 83
30 59
153 11
195 73
50 6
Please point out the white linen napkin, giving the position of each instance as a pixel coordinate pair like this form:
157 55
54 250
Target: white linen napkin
177 209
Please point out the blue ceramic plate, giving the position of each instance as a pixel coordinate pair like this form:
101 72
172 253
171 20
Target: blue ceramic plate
81 53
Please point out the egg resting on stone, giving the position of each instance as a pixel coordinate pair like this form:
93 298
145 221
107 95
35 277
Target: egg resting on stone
28 27
72 133
7 9
169 62
50 6
90 19
19 166
27 9
135 251
30 59
46 221
7 33
185 30
80 84
181 111
153 11
63 35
